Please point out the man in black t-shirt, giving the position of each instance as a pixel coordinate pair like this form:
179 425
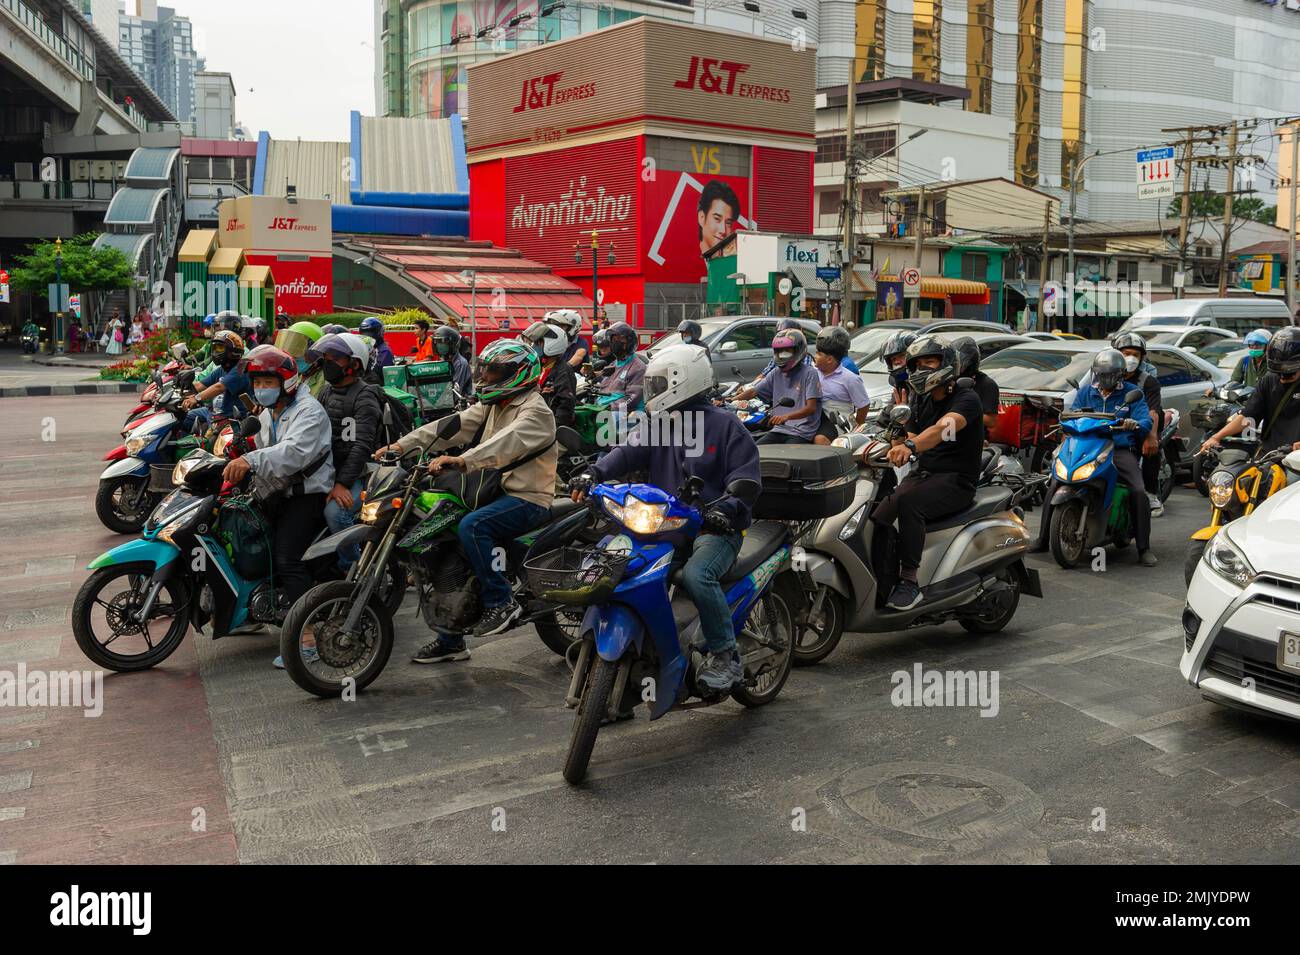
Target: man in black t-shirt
946 436
1274 408
968 358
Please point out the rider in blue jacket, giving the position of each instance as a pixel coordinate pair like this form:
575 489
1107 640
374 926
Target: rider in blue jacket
1106 392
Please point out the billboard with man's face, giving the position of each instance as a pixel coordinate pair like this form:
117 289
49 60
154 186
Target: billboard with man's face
686 215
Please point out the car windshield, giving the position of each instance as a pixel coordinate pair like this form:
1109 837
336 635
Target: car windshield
1159 338
1224 354
1027 368
672 338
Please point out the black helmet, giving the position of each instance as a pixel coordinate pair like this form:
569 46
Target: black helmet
1108 369
897 344
924 380
601 338
968 356
230 321
1122 340
833 340
1283 351
690 331
785 323
622 340
447 340
331 329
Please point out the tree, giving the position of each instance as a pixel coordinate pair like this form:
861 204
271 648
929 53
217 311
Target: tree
85 269
1209 205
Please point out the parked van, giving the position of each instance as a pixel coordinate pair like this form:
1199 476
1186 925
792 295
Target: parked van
1238 315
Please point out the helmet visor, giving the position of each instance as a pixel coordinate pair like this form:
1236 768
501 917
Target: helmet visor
654 386
295 343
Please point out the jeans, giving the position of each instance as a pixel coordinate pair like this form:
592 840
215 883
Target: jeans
337 519
920 497
199 413
711 557
491 527
296 524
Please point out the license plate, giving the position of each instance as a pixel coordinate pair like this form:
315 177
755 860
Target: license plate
1288 652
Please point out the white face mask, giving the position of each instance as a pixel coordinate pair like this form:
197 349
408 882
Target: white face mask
1131 363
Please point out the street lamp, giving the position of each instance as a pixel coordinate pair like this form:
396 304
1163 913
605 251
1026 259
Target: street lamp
578 252
58 290
471 276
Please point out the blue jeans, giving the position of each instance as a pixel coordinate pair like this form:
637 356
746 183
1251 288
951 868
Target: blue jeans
488 528
711 558
199 413
337 519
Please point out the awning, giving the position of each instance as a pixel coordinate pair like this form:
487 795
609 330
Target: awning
259 275
132 245
487 282
938 286
131 206
226 262
1026 290
198 245
523 306
152 163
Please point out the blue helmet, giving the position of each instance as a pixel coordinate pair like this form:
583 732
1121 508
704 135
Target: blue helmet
1258 338
372 327
210 320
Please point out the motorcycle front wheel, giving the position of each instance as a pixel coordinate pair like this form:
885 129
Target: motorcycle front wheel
124 503
104 620
1068 535
321 659
591 713
823 629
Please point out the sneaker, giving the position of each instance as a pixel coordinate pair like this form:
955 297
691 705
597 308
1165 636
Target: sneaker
1147 559
309 655
904 596
497 619
721 671
1157 508
443 650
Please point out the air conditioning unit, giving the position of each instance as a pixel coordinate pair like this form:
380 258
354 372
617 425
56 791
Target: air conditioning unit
101 169
80 170
119 168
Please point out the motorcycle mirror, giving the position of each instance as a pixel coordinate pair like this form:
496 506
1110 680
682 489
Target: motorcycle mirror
747 489
186 378
569 439
448 426
1132 397
1072 382
786 402
250 426
900 414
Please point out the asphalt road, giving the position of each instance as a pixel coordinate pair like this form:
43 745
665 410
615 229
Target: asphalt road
1098 752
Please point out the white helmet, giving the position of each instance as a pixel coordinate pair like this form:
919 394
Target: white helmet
675 376
549 340
565 319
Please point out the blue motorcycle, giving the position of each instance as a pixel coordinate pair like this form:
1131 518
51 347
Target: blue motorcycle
640 639
1090 508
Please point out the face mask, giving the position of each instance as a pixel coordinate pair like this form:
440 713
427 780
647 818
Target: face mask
686 340
303 365
266 397
1131 363
899 376
334 373
1256 352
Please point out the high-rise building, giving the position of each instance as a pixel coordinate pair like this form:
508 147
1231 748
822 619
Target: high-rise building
159 44
214 112
102 15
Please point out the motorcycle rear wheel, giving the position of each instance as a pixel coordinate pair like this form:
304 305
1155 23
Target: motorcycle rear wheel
591 713
773 676
1069 540
996 621
174 596
319 607
123 504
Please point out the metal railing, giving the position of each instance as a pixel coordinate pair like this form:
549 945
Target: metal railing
47 35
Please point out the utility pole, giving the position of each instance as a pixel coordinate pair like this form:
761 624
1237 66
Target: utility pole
1227 209
918 242
1185 216
1043 270
850 204
1291 221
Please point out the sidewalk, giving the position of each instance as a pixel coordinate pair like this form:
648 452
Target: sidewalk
27 376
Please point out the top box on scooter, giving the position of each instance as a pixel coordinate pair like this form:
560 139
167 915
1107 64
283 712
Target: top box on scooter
428 382
804 482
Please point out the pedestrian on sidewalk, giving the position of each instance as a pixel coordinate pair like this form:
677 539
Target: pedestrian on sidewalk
115 332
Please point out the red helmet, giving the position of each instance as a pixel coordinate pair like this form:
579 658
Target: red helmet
269 360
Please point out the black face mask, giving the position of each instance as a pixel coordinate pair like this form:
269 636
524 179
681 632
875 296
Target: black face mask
334 373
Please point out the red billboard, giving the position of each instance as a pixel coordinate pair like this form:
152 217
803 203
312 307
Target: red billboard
302 286
686 214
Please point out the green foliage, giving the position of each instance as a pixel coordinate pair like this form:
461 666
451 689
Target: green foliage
1209 205
145 356
85 269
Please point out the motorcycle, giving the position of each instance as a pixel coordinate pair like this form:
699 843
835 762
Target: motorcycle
31 343
407 529
1245 475
640 636
972 566
1169 447
1090 507
159 379
127 492
1209 415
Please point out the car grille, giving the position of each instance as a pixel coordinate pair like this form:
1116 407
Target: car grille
1236 657
1290 603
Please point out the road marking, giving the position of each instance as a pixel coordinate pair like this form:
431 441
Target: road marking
14 745
12 812
15 782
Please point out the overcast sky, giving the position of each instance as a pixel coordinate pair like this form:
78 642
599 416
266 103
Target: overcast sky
299 66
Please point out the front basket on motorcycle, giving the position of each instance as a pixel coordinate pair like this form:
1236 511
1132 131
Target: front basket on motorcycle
575 576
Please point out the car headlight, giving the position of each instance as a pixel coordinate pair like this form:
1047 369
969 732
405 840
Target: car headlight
1226 560
371 510
1220 487
1083 472
135 446
1061 470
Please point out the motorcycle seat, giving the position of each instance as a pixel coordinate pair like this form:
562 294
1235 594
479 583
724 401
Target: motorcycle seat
761 541
988 500
564 505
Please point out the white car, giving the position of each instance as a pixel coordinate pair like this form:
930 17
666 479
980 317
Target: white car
1241 625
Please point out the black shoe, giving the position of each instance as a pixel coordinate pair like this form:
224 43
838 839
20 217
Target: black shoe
1147 559
904 596
442 650
497 619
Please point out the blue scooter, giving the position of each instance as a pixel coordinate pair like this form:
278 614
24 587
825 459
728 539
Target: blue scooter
640 640
1090 508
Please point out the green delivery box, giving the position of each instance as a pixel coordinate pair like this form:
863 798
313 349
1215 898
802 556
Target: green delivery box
422 387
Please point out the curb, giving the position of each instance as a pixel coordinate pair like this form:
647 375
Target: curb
51 391
71 364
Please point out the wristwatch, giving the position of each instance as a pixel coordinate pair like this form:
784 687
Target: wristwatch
910 445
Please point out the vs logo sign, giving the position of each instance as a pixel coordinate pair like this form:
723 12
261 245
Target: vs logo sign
706 159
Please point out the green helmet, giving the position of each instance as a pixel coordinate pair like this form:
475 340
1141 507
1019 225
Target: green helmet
506 368
297 338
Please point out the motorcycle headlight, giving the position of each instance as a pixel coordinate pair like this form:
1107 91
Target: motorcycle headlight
1227 561
1083 472
135 446
178 522
183 467
371 510
642 517
1061 471
1220 486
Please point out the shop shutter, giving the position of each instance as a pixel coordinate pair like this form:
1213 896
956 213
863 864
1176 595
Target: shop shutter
783 189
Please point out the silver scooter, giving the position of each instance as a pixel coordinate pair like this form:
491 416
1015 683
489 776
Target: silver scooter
972 569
